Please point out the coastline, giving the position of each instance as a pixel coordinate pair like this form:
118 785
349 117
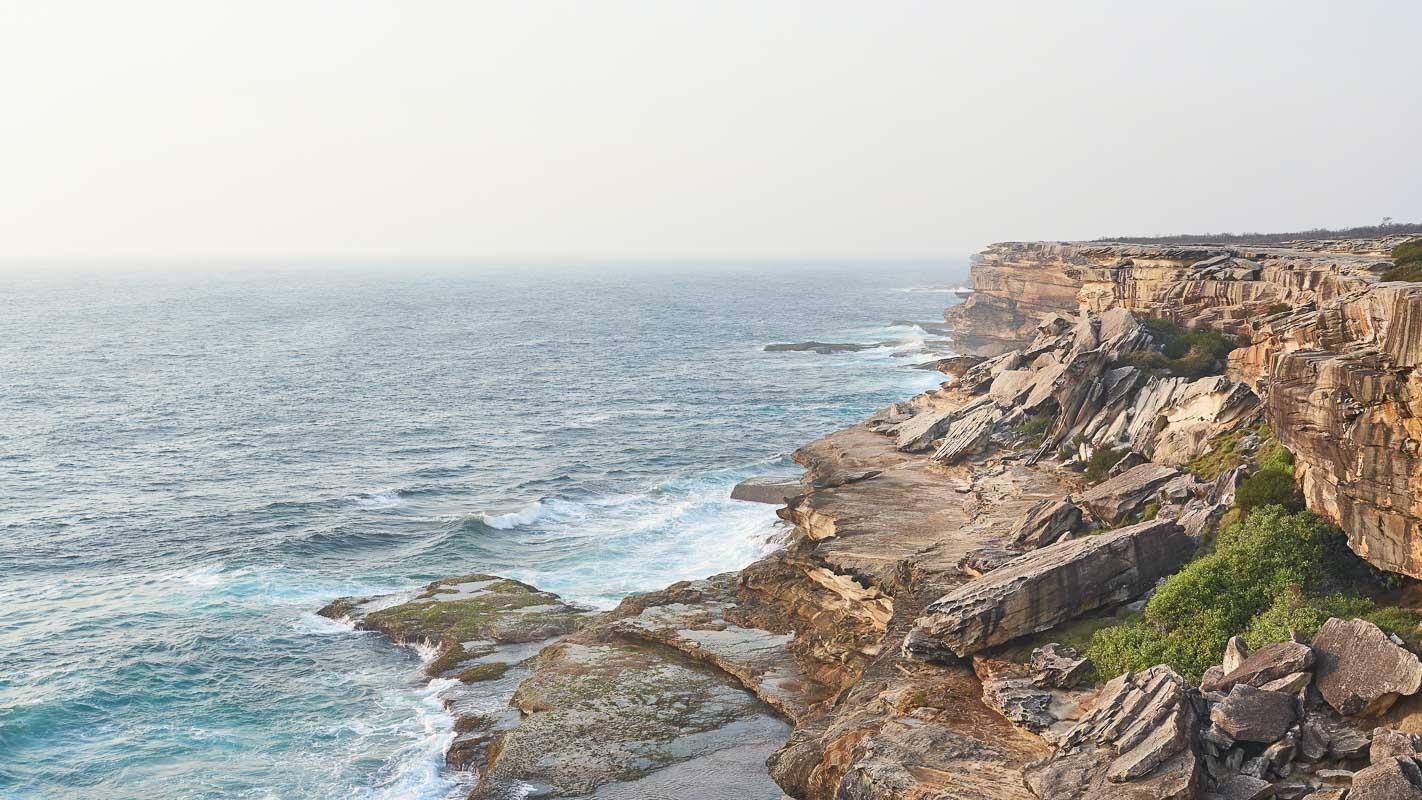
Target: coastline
873 632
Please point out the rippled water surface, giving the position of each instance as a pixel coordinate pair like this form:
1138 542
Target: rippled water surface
191 464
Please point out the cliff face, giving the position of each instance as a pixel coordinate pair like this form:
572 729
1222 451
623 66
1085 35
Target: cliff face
1335 373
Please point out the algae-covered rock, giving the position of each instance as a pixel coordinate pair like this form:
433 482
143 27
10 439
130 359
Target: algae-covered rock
601 714
468 618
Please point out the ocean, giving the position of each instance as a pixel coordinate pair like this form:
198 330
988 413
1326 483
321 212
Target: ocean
193 461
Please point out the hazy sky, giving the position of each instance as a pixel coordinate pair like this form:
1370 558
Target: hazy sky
298 129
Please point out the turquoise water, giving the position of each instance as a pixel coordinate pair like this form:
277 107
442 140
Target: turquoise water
190 465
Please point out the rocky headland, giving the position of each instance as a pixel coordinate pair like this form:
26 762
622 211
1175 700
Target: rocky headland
1153 538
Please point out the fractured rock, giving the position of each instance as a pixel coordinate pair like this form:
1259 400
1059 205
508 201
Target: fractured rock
1059 667
1359 670
1046 522
1039 590
1244 787
1271 662
1236 650
1134 744
1117 498
772 490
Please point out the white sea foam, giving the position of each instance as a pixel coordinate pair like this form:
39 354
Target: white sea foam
524 516
385 499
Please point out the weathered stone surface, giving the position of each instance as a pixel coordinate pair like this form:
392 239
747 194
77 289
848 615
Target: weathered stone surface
1254 715
773 490
1388 779
1340 389
920 431
1059 667
1114 499
1046 522
1336 373
611 713
1244 787
1048 586
1271 662
1359 670
466 618
1388 743
1289 684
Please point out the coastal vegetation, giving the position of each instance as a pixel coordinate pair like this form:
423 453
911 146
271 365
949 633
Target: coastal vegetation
1271 569
1386 228
1183 353
1407 262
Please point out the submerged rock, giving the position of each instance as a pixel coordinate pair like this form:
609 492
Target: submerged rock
823 348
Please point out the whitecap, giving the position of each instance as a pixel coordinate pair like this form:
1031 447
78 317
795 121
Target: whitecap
527 515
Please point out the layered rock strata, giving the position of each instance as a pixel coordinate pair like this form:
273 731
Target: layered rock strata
1333 353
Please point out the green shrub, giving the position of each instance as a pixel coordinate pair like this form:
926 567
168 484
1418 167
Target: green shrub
1407 266
1411 271
1269 486
1186 354
1293 610
1401 621
1218 595
1033 430
1098 467
1279 308
1145 360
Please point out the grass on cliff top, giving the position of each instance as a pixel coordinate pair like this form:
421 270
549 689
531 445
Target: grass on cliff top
1407 262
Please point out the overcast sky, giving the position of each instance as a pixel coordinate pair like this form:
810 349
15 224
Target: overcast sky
299 129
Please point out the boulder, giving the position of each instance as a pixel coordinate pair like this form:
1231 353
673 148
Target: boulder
919 431
1059 667
1046 522
1248 714
1042 589
1359 670
1388 743
1289 684
1271 662
1114 499
773 490
1388 779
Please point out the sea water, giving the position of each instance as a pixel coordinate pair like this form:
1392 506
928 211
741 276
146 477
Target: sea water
192 461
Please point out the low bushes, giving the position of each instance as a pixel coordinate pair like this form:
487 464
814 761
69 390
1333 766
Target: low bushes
1182 354
1098 467
1271 572
1033 430
1407 262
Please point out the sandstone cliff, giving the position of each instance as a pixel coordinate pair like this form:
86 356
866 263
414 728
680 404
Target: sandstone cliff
1332 356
